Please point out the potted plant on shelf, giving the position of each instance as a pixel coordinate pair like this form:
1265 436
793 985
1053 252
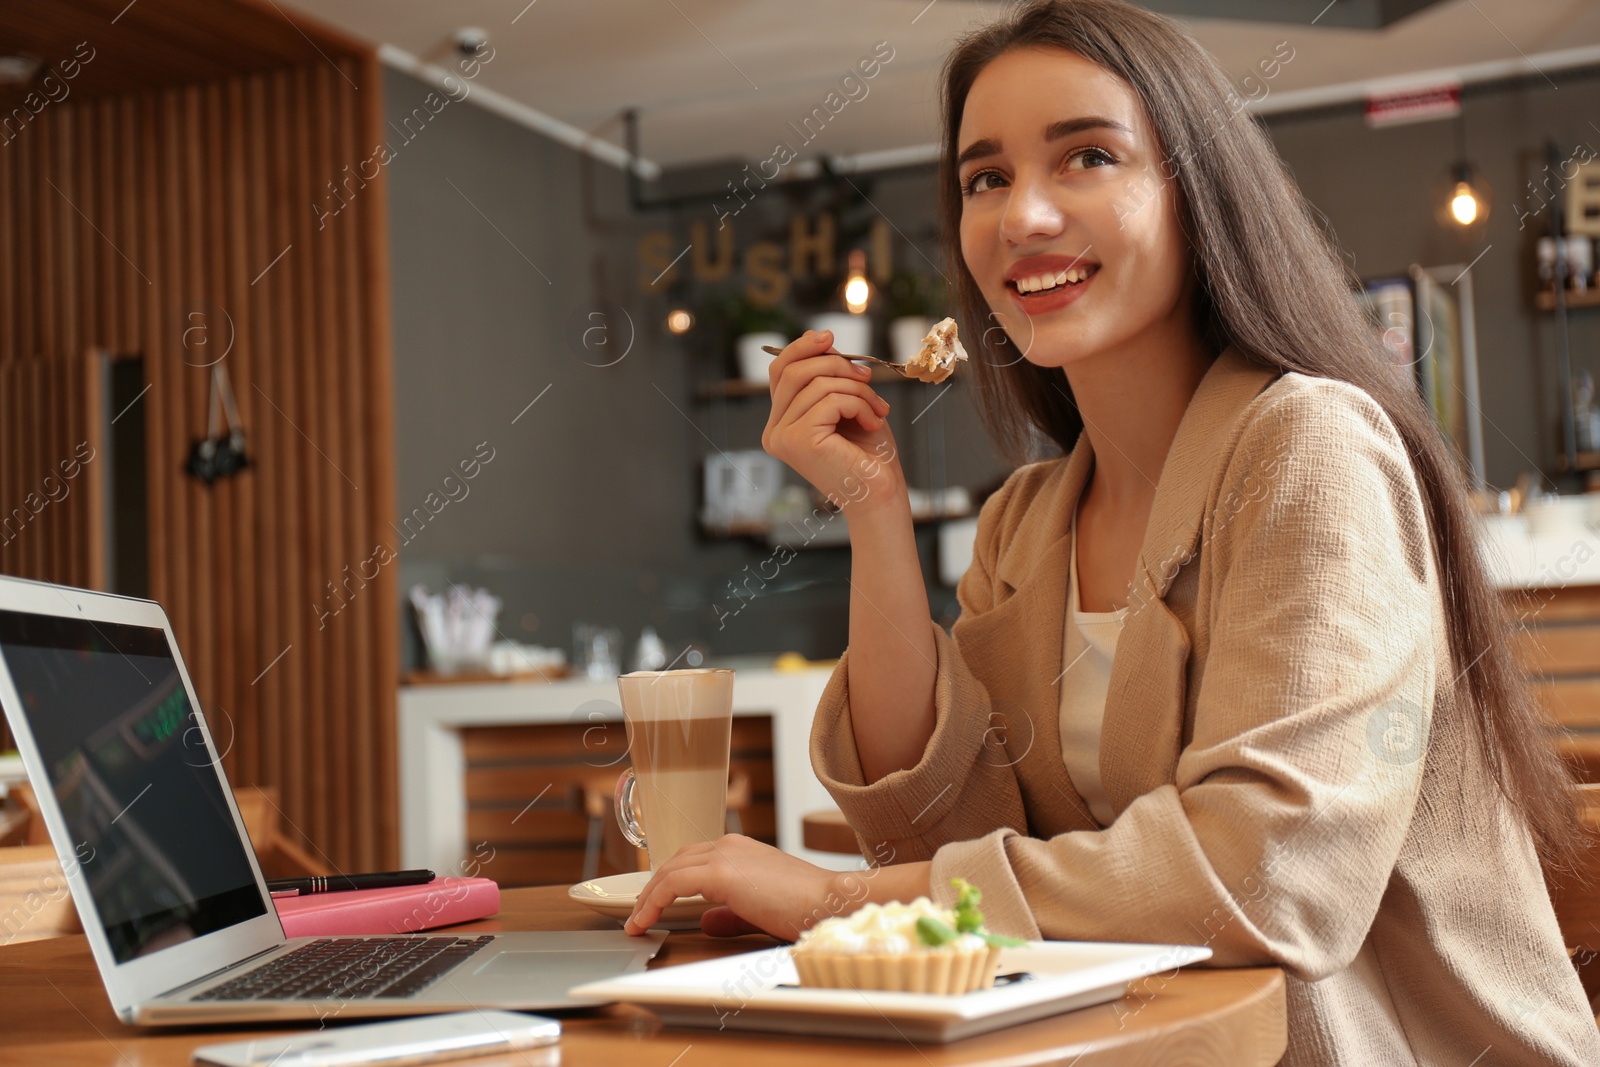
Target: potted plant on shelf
752 325
911 307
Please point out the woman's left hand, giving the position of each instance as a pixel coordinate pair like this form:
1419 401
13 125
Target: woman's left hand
762 890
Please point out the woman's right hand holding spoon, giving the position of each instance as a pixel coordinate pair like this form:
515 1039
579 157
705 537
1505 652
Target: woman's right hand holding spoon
830 426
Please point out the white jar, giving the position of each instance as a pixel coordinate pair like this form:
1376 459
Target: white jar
753 362
852 334
1580 262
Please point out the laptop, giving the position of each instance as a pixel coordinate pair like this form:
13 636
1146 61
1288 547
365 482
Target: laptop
173 902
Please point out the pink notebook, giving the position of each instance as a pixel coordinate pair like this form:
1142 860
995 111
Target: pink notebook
400 910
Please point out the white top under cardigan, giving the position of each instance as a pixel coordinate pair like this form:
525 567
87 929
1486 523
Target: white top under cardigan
1089 640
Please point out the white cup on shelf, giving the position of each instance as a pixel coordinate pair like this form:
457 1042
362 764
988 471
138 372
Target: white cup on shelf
753 362
852 334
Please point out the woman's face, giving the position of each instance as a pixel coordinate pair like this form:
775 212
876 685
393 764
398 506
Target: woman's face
1060 172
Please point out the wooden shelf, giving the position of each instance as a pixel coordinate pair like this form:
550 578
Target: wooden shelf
733 388
1587 298
735 529
1587 461
764 529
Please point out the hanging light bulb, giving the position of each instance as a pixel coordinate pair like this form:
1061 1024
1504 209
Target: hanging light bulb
1468 198
1463 195
857 291
680 320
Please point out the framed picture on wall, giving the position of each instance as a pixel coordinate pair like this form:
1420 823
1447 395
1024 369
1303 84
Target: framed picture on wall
1424 321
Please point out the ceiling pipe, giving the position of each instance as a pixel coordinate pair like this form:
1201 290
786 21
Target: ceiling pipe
520 113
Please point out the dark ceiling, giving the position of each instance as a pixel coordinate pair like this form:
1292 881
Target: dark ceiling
151 43
1357 14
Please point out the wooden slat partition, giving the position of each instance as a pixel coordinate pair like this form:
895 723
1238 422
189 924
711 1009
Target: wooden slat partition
171 223
52 466
1576 895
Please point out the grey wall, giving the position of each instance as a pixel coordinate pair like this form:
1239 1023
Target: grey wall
587 510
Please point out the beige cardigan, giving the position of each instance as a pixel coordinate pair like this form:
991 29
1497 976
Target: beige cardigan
1293 781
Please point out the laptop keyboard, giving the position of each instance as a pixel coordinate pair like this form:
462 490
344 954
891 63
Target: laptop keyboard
348 967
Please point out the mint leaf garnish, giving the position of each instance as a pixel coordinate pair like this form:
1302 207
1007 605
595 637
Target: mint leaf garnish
933 932
1002 941
969 920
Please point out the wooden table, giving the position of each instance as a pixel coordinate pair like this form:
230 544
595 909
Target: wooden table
54 1011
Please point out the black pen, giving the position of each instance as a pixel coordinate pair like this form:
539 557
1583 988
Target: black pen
335 883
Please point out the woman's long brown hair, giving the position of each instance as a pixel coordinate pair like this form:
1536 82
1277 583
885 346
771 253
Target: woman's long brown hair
1271 282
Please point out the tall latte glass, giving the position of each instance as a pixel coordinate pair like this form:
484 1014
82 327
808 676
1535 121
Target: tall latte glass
679 725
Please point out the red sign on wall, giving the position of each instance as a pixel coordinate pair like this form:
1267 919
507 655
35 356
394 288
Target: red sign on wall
1413 105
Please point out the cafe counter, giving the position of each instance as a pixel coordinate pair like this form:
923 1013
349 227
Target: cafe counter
489 762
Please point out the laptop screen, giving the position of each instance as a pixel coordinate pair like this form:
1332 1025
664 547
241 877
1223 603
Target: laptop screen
151 830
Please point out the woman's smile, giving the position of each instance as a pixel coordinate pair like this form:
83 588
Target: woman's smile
1042 284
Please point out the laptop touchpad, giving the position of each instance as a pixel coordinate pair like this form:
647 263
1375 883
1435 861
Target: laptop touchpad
574 965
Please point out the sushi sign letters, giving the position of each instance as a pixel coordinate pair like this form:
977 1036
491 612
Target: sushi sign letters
768 268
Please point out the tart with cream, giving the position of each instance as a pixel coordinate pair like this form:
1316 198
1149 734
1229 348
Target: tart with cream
936 359
913 948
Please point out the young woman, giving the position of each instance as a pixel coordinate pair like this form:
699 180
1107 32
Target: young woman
1227 673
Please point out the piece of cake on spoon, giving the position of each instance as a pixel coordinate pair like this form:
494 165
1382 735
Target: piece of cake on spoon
936 359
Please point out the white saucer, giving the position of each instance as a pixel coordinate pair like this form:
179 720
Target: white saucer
615 895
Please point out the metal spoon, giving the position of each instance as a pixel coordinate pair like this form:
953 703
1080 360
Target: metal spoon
898 368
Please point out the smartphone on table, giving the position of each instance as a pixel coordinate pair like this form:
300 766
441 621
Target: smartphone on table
425 1039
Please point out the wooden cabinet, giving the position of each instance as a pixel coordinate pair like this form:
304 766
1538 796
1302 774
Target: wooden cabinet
1559 642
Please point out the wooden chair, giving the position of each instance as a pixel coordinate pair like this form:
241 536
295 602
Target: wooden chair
279 852
1582 755
1577 897
595 793
33 830
14 823
35 901
827 831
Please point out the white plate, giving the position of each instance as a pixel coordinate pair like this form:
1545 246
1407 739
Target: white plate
743 992
615 895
